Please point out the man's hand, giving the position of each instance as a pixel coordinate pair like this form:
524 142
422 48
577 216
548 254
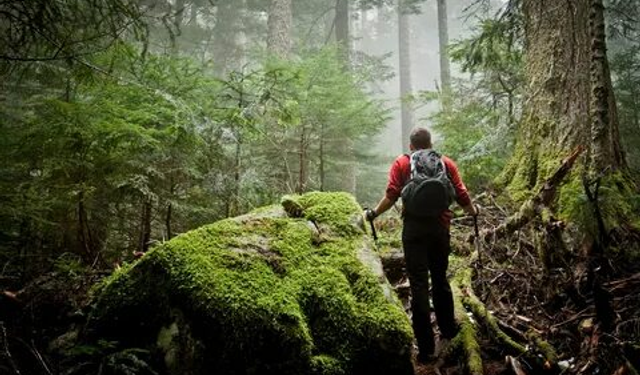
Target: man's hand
370 214
472 210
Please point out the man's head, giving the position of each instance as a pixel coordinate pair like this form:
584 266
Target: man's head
420 139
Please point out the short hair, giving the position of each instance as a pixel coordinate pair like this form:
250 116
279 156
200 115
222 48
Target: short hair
420 138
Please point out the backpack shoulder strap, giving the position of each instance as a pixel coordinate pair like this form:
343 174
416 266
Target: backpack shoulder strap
412 166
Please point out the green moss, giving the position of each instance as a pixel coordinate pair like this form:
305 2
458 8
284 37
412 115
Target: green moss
466 339
543 347
616 202
326 365
260 292
521 177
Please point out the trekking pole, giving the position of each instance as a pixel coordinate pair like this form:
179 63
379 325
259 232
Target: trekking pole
373 230
477 240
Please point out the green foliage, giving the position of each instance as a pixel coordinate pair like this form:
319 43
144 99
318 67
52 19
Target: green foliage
70 266
625 66
491 49
264 292
162 135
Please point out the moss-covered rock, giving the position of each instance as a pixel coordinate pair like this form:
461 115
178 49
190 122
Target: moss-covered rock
278 291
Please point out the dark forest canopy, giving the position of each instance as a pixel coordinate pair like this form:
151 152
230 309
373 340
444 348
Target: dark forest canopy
125 123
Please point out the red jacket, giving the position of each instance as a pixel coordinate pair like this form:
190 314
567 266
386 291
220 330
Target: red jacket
401 172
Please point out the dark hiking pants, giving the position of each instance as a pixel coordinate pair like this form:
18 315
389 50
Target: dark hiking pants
426 249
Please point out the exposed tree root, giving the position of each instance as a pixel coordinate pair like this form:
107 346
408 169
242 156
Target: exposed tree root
467 340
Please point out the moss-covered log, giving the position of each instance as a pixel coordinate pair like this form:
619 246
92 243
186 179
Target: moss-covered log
466 341
295 291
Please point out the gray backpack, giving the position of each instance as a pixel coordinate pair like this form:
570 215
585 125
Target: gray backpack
429 190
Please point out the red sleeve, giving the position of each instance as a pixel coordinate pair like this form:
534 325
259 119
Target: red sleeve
462 196
398 176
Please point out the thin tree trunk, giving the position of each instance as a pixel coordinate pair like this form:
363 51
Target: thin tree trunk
227 51
404 47
302 163
179 10
321 156
443 39
636 111
235 196
343 38
84 233
279 25
168 217
145 233
167 221
342 30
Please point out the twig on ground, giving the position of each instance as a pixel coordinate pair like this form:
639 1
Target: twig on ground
7 352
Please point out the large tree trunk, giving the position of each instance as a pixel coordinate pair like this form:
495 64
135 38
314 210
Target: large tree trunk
279 35
561 51
443 41
404 47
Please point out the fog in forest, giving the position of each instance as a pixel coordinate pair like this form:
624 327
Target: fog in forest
376 33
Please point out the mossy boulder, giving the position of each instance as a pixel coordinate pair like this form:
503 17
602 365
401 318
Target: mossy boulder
291 289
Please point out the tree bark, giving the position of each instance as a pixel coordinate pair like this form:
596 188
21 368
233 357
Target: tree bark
604 125
404 48
279 24
443 42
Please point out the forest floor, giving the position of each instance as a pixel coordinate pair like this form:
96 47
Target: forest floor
524 298
527 302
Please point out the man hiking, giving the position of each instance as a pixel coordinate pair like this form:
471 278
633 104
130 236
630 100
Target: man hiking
428 183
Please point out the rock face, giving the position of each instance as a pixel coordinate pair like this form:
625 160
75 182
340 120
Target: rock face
284 290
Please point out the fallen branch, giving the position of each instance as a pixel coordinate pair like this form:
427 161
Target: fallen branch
534 206
7 352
